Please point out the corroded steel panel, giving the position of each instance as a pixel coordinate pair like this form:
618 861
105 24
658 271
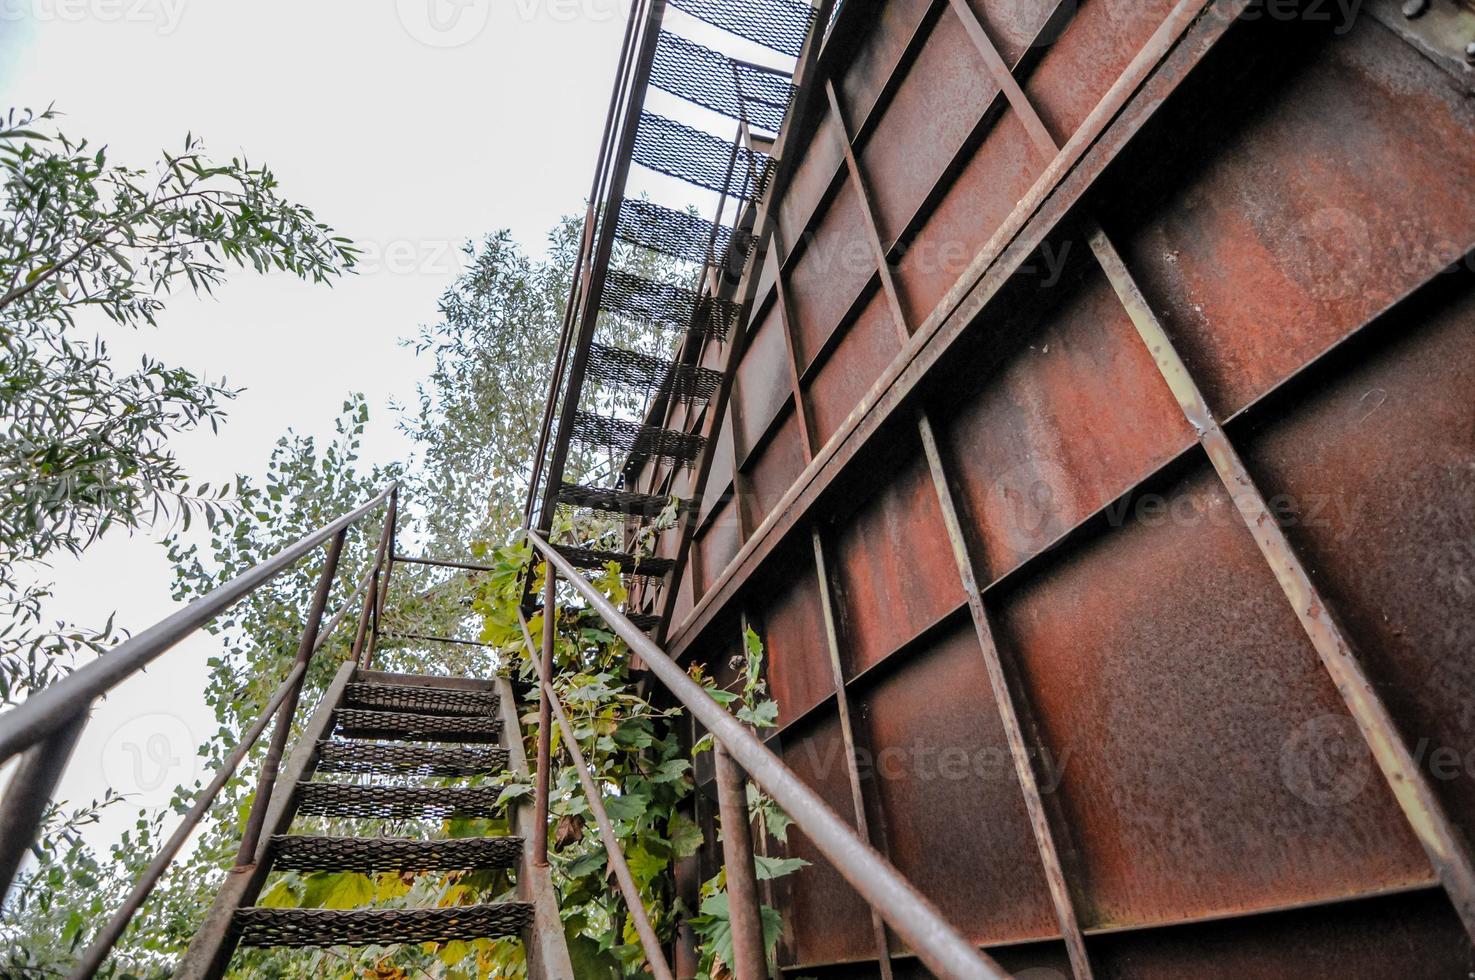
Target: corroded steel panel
864 349
790 618
774 468
973 206
760 390
1088 56
877 54
717 543
812 176
1391 938
895 570
827 921
940 752
1378 461
1284 206
1015 25
936 106
1072 413
1190 718
828 274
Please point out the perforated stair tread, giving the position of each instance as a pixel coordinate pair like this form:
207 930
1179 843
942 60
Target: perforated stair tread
644 622
413 727
778 24
737 89
653 301
410 760
698 157
618 367
425 700
397 802
367 855
625 502
640 441
259 927
629 564
675 233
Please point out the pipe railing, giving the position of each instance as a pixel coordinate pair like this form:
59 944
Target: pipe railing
45 728
907 911
654 954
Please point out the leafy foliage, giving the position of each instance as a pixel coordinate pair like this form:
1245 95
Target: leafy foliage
85 243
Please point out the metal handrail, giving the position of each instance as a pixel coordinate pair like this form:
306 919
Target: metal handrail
49 710
914 918
649 941
47 726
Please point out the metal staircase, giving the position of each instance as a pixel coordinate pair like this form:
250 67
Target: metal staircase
665 449
386 733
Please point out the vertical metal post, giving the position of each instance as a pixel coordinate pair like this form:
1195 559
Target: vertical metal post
545 720
750 959
30 792
371 595
251 837
381 581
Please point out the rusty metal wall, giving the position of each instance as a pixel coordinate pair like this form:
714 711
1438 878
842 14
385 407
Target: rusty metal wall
1101 477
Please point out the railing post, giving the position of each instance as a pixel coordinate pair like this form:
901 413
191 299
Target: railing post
371 597
30 792
545 720
381 581
749 957
246 855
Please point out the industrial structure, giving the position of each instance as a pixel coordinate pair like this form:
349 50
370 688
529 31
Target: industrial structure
1077 397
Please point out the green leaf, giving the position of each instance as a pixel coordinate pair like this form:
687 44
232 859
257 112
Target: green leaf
762 715
686 835
769 868
670 771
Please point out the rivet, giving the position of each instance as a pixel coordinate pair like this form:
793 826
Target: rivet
1470 52
1415 8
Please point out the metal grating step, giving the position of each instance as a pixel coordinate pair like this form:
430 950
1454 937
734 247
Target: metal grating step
662 303
410 760
397 802
370 855
629 564
642 441
407 727
675 233
612 501
645 622
258 927
666 379
697 157
778 24
736 89
429 700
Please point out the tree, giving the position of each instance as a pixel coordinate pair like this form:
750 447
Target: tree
86 244
492 353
